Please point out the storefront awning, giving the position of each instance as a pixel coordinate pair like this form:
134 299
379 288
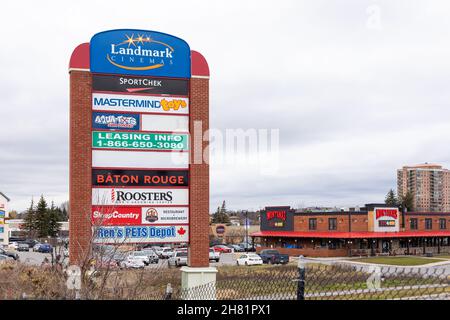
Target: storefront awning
351 235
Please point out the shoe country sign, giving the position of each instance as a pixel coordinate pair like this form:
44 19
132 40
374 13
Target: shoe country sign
135 215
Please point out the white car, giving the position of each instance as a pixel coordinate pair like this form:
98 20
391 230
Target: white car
166 253
13 245
249 259
132 261
179 258
142 255
214 255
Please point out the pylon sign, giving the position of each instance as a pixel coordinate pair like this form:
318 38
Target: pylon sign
140 137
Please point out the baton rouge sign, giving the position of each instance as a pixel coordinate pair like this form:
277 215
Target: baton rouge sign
140 52
139 178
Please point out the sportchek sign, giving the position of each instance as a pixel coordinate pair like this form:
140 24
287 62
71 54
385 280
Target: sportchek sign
134 215
141 141
141 234
140 85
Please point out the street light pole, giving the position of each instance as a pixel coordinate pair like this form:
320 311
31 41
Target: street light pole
246 230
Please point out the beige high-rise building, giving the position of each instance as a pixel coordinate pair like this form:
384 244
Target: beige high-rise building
429 184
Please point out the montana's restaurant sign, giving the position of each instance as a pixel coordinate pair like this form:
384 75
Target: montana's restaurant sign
140 52
277 218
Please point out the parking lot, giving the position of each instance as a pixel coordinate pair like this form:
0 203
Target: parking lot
36 258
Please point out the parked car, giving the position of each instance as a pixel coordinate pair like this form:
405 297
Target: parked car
141 255
23 247
213 255
235 247
166 253
13 245
119 257
31 242
132 261
222 248
104 263
152 256
272 256
179 258
45 248
249 259
246 247
36 247
9 253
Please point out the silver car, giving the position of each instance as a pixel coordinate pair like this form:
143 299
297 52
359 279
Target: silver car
179 258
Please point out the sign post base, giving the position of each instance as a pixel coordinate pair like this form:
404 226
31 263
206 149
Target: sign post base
198 283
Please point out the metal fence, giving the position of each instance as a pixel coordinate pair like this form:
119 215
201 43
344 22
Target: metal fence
328 282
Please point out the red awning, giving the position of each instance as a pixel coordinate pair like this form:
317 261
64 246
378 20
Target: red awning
351 235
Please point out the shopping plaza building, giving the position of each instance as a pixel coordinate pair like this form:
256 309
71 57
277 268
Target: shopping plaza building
375 229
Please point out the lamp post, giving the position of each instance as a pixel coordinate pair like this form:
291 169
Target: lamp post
246 230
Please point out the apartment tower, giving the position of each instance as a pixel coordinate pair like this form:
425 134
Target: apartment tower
429 184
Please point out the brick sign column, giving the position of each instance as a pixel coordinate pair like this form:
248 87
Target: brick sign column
81 162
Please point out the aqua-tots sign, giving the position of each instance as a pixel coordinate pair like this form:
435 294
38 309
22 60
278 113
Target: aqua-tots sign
140 52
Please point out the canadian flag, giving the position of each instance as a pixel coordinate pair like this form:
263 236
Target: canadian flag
181 231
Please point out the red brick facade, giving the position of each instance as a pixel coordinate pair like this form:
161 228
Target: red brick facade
80 165
199 175
349 233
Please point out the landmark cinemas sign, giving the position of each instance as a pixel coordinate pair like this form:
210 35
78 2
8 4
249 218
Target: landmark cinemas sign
140 52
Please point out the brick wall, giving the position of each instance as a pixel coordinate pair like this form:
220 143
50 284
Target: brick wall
199 175
359 222
421 221
80 165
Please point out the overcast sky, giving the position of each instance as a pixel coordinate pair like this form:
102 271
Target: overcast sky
356 88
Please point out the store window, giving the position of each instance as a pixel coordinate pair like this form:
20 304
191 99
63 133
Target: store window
428 223
413 224
332 223
312 223
442 224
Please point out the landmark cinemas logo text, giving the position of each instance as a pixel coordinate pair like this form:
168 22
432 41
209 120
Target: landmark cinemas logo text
141 53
